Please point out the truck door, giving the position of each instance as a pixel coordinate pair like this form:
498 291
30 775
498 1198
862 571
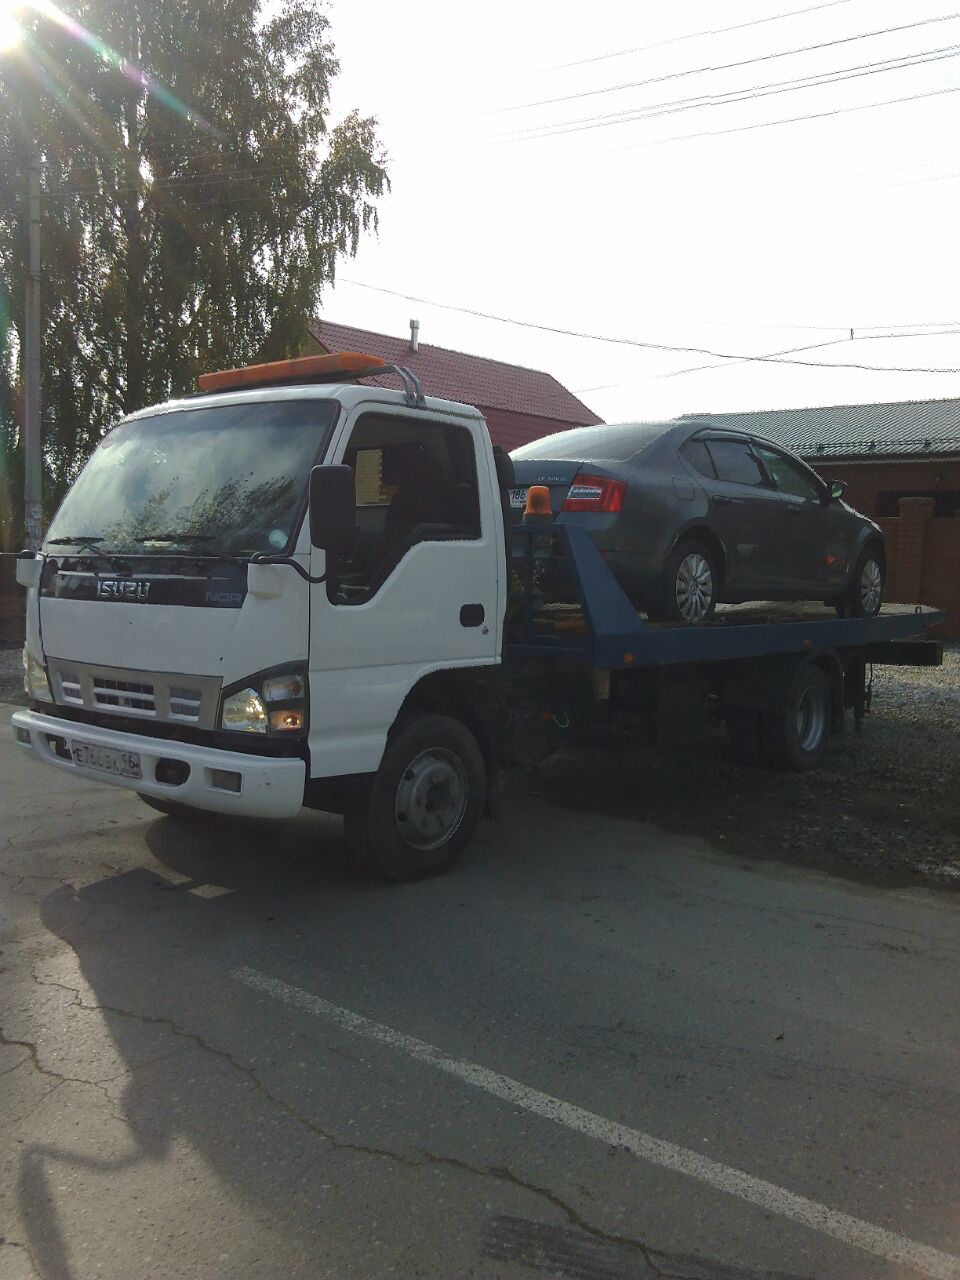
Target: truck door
422 588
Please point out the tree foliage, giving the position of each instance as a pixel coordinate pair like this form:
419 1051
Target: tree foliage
191 219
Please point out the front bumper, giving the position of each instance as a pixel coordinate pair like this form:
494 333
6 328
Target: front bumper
269 788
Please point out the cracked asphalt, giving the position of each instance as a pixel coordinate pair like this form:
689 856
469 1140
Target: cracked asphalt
160 1119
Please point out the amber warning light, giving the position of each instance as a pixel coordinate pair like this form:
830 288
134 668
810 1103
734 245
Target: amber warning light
345 364
538 503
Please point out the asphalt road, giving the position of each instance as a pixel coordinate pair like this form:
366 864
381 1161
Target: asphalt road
596 1050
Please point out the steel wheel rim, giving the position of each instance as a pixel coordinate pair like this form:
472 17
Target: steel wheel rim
811 718
694 587
871 585
431 799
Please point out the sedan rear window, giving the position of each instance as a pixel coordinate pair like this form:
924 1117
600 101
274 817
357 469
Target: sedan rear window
594 444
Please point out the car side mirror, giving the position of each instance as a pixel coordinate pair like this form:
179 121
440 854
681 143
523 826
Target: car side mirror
333 508
836 489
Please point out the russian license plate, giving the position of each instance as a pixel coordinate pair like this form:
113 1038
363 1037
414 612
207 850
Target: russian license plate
518 499
122 764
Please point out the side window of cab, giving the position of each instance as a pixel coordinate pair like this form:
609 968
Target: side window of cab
416 482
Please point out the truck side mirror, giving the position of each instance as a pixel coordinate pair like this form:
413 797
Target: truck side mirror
333 508
29 569
836 489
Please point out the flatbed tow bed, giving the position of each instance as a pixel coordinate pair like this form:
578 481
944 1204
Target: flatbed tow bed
780 676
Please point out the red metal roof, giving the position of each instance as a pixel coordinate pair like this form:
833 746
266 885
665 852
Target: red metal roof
452 375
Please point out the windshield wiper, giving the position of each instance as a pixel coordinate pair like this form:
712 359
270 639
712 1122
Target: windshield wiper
191 539
88 542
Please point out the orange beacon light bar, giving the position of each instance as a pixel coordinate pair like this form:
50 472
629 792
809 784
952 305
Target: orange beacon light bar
304 368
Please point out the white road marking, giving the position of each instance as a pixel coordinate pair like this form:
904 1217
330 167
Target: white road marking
210 890
853 1231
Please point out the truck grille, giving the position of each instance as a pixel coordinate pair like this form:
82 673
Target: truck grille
138 698
147 694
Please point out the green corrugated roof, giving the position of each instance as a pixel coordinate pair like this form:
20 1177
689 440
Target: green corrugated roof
908 428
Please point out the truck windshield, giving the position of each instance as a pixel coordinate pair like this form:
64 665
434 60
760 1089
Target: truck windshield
223 478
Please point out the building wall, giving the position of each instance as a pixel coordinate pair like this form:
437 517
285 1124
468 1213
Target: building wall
923 560
868 479
510 430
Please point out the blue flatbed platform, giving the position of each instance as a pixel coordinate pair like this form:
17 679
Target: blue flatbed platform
604 630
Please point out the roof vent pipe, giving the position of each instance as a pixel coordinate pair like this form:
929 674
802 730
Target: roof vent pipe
414 335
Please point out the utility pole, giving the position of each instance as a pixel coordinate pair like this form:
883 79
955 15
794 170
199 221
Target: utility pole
32 444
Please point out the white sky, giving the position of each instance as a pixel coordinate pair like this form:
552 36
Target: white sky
733 243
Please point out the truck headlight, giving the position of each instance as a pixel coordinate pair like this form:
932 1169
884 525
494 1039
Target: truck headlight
35 683
273 702
244 711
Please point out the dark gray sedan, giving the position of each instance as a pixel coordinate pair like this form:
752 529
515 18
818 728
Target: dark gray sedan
688 516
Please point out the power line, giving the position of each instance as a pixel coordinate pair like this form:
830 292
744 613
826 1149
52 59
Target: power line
724 66
833 342
696 35
771 124
730 97
636 342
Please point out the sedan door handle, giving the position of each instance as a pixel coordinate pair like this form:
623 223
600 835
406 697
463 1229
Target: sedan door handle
721 502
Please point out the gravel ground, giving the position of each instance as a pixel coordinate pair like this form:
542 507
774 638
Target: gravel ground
885 805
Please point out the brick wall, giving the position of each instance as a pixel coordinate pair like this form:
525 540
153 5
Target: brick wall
867 480
923 559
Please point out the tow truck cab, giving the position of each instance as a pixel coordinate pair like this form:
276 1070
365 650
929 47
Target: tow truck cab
186 637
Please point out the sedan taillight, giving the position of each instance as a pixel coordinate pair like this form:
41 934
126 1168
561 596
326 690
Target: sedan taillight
595 493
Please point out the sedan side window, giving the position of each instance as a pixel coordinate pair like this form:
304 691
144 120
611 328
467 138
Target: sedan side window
698 455
789 476
735 463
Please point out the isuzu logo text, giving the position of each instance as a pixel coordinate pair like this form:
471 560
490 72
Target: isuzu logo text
122 589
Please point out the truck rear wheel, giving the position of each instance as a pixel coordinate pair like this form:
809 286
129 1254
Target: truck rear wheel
796 737
423 804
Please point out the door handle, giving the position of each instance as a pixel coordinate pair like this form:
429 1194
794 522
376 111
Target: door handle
721 502
472 615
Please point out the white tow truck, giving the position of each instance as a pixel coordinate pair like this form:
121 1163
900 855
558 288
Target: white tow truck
301 588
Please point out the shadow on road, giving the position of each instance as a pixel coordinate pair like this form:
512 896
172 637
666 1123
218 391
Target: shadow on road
154 952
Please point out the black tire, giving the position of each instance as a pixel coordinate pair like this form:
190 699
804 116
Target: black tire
744 730
864 596
690 560
795 738
172 808
422 806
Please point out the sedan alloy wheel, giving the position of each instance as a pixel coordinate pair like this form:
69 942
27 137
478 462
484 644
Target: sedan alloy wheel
871 588
694 587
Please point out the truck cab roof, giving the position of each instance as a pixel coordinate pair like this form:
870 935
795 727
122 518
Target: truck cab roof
349 394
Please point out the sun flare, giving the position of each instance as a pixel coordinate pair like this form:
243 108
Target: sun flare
11 33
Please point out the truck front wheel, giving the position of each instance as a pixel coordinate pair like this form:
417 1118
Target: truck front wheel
423 804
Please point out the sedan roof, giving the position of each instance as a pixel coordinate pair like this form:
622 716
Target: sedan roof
616 441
